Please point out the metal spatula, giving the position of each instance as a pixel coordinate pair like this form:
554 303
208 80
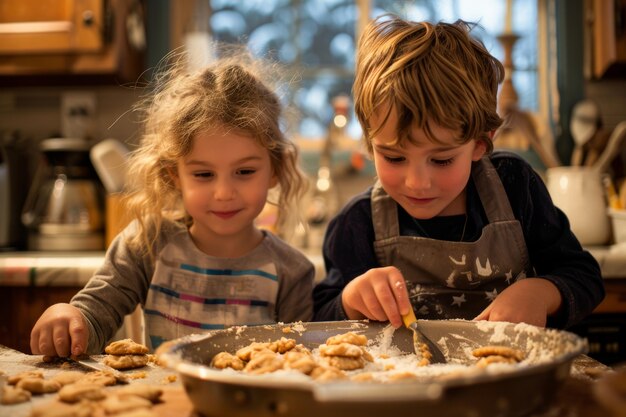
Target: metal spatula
427 352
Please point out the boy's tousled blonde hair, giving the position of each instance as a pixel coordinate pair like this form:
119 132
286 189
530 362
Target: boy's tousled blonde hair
234 92
427 73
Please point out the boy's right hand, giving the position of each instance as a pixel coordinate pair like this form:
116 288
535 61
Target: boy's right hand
379 294
60 331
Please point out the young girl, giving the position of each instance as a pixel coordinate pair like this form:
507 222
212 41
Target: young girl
450 228
193 258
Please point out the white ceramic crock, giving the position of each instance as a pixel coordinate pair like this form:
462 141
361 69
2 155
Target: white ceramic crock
578 191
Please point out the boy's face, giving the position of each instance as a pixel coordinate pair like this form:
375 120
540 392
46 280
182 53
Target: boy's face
427 179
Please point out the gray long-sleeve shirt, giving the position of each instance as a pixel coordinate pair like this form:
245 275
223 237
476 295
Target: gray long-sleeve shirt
184 291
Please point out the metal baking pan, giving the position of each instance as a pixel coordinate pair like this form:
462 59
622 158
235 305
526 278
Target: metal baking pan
522 389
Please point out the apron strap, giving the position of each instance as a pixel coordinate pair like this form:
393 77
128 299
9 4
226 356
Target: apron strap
491 191
384 213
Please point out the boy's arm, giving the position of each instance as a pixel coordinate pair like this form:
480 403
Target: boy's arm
554 251
348 253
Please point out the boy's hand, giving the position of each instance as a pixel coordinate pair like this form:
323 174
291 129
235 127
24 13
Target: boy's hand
529 300
379 294
60 331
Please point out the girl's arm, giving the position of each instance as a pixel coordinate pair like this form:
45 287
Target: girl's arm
114 291
348 253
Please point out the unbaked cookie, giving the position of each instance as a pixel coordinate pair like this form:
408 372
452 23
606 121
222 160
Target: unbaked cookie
126 347
149 392
126 361
300 361
102 378
350 337
342 349
14 379
505 351
227 360
68 377
39 385
264 363
80 391
344 363
14 395
324 374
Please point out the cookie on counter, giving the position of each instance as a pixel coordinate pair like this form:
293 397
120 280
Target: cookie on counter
125 361
14 395
126 347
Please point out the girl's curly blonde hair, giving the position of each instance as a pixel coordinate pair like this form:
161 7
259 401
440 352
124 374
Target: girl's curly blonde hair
427 73
232 92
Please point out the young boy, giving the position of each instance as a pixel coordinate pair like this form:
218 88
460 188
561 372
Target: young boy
450 228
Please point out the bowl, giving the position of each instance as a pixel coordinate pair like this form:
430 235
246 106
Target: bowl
514 390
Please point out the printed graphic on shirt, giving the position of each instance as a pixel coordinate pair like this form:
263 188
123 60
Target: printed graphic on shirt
469 286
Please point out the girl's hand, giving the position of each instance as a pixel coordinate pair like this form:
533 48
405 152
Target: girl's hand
530 300
60 331
379 294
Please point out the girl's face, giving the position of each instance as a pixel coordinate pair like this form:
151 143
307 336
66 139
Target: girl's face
224 182
427 179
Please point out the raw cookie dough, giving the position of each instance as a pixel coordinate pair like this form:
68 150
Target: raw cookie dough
126 361
14 395
80 391
126 347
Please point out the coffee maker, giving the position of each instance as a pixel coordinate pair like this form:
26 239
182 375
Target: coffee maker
65 204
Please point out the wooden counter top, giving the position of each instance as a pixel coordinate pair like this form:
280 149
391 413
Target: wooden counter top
175 403
576 397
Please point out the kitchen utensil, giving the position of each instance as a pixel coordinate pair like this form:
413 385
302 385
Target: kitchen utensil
584 124
89 362
514 392
423 347
109 159
579 192
64 206
613 147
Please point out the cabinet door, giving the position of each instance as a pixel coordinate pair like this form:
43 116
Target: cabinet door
104 41
51 26
609 37
20 308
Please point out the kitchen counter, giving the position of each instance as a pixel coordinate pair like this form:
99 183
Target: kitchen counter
72 269
175 402
574 399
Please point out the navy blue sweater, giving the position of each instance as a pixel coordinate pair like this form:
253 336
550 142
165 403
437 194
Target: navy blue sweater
554 251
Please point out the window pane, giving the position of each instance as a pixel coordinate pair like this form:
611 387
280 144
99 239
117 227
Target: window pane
490 15
316 40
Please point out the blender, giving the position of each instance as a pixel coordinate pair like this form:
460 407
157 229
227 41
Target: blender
64 206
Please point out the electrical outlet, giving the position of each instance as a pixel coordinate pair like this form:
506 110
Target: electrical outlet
78 114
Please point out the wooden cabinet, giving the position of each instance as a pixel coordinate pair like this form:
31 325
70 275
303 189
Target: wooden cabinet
51 26
607 48
48 38
20 307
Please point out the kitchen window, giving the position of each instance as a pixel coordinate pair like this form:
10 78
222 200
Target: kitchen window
317 39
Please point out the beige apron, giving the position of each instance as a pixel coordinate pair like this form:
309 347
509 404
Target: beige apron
455 279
